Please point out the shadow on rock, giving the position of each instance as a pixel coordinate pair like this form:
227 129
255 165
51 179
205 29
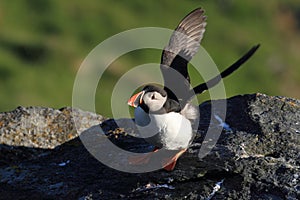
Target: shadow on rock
257 156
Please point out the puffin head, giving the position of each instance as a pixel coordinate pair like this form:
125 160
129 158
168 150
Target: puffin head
151 99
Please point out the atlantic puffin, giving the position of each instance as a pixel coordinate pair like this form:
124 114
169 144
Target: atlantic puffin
167 112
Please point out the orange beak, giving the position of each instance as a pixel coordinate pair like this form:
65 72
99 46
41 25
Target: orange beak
136 99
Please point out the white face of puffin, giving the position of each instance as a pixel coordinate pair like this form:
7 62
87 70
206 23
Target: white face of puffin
151 99
154 101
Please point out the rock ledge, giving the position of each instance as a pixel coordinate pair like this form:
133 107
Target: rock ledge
256 157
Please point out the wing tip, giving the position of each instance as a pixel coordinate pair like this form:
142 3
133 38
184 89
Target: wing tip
196 13
255 47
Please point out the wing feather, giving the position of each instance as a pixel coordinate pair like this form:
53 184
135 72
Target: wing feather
183 45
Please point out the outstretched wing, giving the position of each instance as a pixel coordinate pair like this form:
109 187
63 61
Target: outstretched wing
183 45
214 81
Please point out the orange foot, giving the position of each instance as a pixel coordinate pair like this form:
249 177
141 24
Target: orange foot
169 165
141 159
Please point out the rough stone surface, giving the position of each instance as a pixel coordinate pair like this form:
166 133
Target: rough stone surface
43 127
257 156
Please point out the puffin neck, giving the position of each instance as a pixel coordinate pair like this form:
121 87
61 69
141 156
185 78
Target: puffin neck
144 107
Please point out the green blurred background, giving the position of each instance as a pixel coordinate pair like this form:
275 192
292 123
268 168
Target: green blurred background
42 44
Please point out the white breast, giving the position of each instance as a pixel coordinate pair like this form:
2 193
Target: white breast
175 131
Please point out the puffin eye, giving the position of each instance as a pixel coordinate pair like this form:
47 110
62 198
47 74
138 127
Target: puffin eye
153 97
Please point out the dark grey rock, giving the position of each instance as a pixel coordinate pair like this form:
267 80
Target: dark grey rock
256 157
